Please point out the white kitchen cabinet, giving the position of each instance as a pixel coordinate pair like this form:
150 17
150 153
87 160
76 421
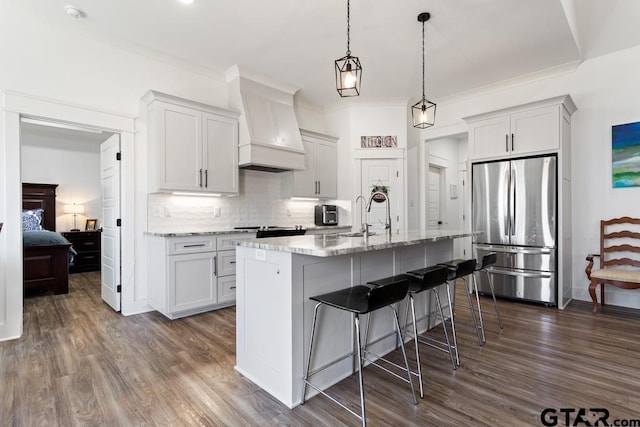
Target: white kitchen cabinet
191 282
318 179
191 274
193 147
533 128
227 289
226 267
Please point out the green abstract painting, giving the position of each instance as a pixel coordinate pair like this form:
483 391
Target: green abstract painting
625 141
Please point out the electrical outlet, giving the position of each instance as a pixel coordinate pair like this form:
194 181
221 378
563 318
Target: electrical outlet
216 211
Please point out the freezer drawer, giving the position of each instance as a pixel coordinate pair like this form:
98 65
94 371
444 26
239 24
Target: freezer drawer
520 257
529 285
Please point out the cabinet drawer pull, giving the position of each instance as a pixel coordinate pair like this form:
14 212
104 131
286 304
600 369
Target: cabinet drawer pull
215 265
233 287
200 179
232 262
199 245
506 142
512 138
206 178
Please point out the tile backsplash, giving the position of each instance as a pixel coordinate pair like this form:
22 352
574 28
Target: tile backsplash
260 202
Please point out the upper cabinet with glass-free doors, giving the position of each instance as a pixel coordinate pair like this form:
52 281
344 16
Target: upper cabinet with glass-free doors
319 178
192 146
533 128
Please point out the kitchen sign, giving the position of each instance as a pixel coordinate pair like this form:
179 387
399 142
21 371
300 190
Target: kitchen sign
379 141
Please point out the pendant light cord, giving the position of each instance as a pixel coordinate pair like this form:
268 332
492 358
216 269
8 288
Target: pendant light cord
423 96
348 30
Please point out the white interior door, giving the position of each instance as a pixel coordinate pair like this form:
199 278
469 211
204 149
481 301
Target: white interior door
110 236
384 172
434 219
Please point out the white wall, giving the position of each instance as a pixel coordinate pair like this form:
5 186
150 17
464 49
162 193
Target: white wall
415 151
351 120
605 91
72 164
339 124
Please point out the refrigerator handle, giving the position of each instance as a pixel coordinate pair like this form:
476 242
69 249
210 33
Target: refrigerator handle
513 202
507 202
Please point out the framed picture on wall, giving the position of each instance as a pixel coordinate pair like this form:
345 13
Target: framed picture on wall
92 224
625 155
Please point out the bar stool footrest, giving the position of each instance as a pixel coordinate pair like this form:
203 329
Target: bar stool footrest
328 396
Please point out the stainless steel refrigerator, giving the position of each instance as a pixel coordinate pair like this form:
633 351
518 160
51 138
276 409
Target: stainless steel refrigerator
514 205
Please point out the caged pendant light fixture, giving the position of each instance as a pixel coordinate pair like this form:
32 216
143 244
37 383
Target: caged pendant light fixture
348 69
423 113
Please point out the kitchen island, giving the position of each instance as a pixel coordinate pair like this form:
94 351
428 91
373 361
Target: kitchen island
276 277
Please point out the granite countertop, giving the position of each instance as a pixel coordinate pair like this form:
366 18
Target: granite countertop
326 245
337 228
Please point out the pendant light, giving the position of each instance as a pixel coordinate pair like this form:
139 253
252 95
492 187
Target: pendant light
423 113
348 69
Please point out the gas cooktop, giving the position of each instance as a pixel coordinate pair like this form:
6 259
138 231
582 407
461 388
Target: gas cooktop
263 231
269 227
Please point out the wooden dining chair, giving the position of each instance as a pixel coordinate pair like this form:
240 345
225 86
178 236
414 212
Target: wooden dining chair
619 257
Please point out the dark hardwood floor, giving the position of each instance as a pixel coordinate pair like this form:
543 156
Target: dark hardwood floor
79 363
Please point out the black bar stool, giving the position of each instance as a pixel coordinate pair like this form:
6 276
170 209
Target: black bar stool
461 269
360 300
487 261
430 278
445 346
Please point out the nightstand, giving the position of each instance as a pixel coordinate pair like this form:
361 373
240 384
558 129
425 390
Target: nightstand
87 245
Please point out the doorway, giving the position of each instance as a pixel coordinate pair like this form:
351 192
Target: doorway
445 195
15 106
434 188
75 159
383 174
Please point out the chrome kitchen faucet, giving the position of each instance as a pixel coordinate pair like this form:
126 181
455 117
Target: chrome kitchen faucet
387 225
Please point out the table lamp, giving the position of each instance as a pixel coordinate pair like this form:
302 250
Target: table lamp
74 209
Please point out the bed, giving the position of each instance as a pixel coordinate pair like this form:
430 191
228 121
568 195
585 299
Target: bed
46 253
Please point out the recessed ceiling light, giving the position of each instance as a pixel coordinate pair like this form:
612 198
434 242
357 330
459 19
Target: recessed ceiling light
74 12
186 1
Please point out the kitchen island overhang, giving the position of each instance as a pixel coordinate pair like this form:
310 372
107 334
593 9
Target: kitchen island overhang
276 277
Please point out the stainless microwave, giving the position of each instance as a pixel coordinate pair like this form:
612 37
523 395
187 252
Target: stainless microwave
326 215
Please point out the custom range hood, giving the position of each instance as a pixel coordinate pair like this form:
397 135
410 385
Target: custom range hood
269 138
